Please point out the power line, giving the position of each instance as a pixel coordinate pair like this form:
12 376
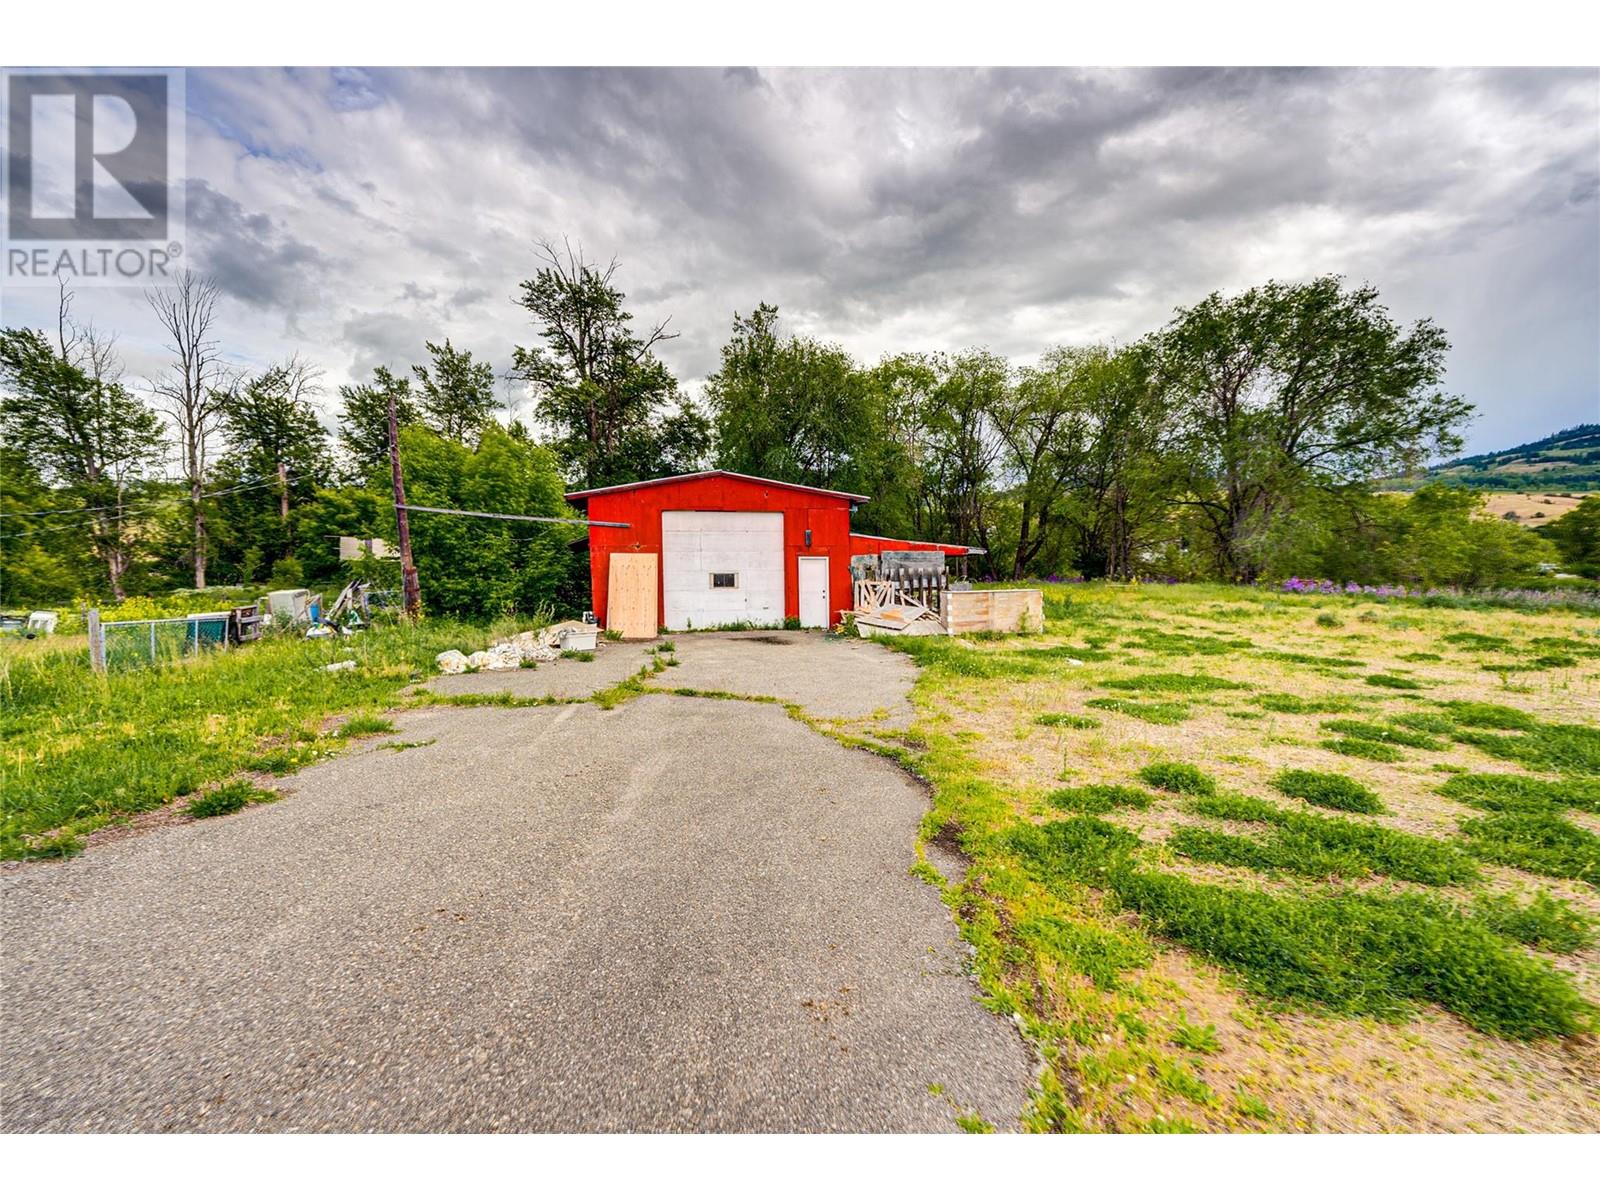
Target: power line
461 512
135 510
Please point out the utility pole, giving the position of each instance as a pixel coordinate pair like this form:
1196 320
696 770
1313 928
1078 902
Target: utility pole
408 566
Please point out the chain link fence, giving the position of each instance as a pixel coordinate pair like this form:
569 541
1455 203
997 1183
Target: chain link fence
121 645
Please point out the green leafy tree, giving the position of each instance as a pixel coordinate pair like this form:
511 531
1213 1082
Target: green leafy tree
1577 536
64 410
791 408
278 456
1438 535
364 419
473 566
1288 388
456 392
1081 435
612 405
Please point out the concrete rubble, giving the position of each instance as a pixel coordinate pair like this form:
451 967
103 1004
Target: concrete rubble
531 646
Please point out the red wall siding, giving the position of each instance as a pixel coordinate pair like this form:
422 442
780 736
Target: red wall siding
864 543
828 519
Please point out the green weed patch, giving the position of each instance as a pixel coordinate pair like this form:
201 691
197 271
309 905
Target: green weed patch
1327 789
1523 793
1541 842
1178 777
1349 952
1156 712
1099 798
1103 955
1398 682
1283 702
1545 922
1172 682
1060 720
229 798
1352 747
1321 847
1568 749
1371 731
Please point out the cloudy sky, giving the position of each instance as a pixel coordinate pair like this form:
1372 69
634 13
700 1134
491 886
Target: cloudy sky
350 215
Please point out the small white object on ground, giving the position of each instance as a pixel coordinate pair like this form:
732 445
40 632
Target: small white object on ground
348 664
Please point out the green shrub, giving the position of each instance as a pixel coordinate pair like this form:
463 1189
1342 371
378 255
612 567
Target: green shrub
1328 621
1363 748
1545 922
1178 777
1327 789
229 798
1066 720
1541 842
581 655
1099 798
1157 713
1394 681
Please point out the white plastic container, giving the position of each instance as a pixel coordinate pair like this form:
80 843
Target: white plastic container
578 639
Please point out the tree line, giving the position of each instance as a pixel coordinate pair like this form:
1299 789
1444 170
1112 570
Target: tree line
1240 441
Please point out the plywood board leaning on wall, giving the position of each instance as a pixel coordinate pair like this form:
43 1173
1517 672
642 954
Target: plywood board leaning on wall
631 596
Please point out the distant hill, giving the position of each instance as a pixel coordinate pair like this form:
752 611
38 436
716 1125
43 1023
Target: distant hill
1568 461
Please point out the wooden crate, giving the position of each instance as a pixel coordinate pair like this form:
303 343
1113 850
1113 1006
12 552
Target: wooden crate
1012 610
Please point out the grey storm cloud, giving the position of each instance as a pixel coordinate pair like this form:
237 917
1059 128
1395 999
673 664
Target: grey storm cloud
895 210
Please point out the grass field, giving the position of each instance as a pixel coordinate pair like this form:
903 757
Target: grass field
1250 861
1532 509
81 752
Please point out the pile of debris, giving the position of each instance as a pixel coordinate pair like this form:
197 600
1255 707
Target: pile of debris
530 647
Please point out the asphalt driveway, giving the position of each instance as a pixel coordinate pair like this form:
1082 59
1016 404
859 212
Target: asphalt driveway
679 914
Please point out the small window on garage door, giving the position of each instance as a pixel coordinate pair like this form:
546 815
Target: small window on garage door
724 579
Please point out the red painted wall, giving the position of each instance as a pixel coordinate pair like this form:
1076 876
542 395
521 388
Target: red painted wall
827 517
871 543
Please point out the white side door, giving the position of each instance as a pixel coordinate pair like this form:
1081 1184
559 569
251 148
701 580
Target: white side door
815 603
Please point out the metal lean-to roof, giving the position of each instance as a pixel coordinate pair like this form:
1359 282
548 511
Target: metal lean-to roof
777 483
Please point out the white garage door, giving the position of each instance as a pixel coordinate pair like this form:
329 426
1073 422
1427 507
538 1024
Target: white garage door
721 568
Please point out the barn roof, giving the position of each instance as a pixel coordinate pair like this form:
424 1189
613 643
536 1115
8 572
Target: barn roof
777 483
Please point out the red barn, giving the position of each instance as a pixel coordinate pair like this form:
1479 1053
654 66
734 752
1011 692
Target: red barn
730 548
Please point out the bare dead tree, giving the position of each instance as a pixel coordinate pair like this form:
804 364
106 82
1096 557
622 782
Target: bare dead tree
194 390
